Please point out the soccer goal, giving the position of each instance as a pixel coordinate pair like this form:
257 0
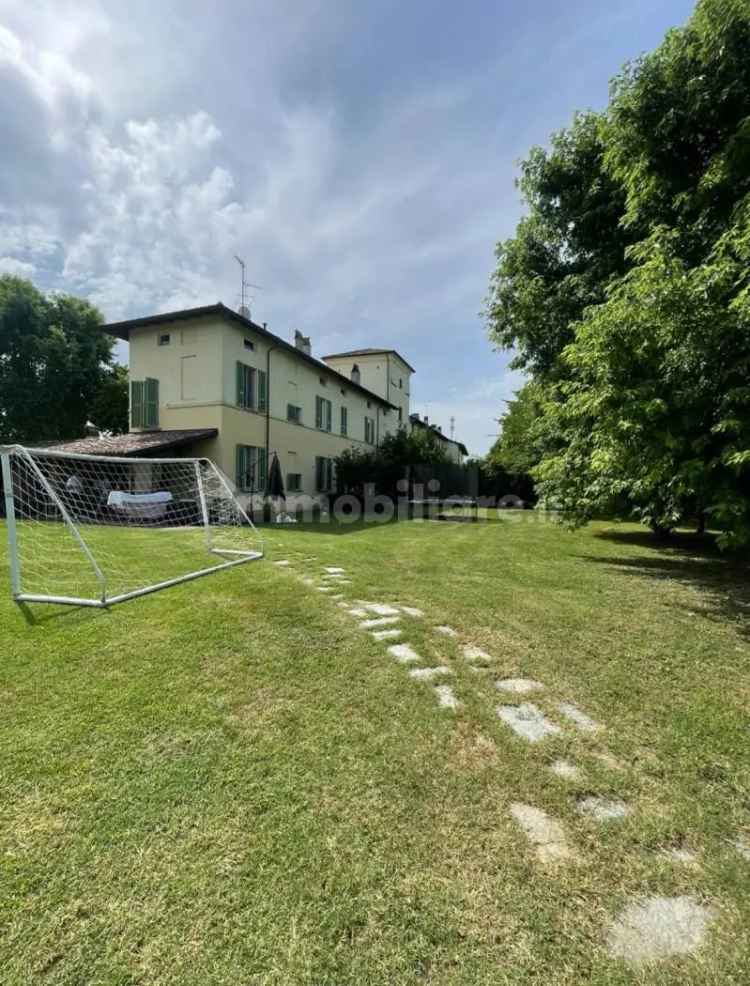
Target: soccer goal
94 530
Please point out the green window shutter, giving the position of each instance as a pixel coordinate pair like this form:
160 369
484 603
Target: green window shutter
240 465
343 420
329 416
262 390
136 404
329 474
262 477
318 472
151 403
318 412
240 386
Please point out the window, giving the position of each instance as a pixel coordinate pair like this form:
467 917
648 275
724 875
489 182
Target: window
400 383
248 344
294 413
251 468
344 420
322 381
323 474
370 430
164 339
323 414
144 403
294 482
245 385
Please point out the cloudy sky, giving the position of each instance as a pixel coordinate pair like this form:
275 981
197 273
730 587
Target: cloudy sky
359 154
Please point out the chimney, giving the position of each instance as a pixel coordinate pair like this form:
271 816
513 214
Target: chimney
302 342
355 374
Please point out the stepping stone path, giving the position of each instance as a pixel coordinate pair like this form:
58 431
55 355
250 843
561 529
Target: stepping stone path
527 721
519 686
580 719
472 653
427 674
381 609
380 621
543 832
567 770
659 928
646 930
403 653
446 698
603 809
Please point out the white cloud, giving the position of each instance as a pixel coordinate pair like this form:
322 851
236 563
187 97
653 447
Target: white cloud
21 268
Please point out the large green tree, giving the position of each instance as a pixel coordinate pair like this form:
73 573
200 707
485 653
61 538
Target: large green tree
54 362
645 380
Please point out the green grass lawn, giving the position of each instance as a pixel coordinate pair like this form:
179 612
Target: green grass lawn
230 782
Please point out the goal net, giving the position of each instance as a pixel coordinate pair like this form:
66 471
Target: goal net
96 530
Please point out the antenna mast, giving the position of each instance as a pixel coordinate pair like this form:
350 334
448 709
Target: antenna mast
453 426
244 284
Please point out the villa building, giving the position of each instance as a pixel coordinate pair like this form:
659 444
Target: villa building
210 382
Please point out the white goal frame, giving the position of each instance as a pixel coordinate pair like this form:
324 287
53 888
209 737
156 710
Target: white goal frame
204 471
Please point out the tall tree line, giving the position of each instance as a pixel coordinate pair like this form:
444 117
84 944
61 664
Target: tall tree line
625 293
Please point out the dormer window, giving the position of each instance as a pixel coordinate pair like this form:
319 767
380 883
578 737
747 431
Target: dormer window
248 343
164 339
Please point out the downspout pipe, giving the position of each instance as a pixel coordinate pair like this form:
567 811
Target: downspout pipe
268 405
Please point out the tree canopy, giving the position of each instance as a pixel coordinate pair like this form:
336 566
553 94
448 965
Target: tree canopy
55 366
625 292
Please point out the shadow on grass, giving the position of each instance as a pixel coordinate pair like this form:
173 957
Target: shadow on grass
690 560
336 528
37 614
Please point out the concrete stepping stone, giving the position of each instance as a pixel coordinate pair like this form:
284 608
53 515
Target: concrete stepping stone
381 609
567 770
324 588
380 621
678 854
527 721
519 686
282 564
578 718
657 928
356 611
545 833
603 809
412 611
446 631
340 596
334 571
427 674
308 581
472 653
386 634
446 697
742 845
344 605
403 653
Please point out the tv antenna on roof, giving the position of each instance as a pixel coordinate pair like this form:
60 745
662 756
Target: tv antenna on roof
244 309
453 426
